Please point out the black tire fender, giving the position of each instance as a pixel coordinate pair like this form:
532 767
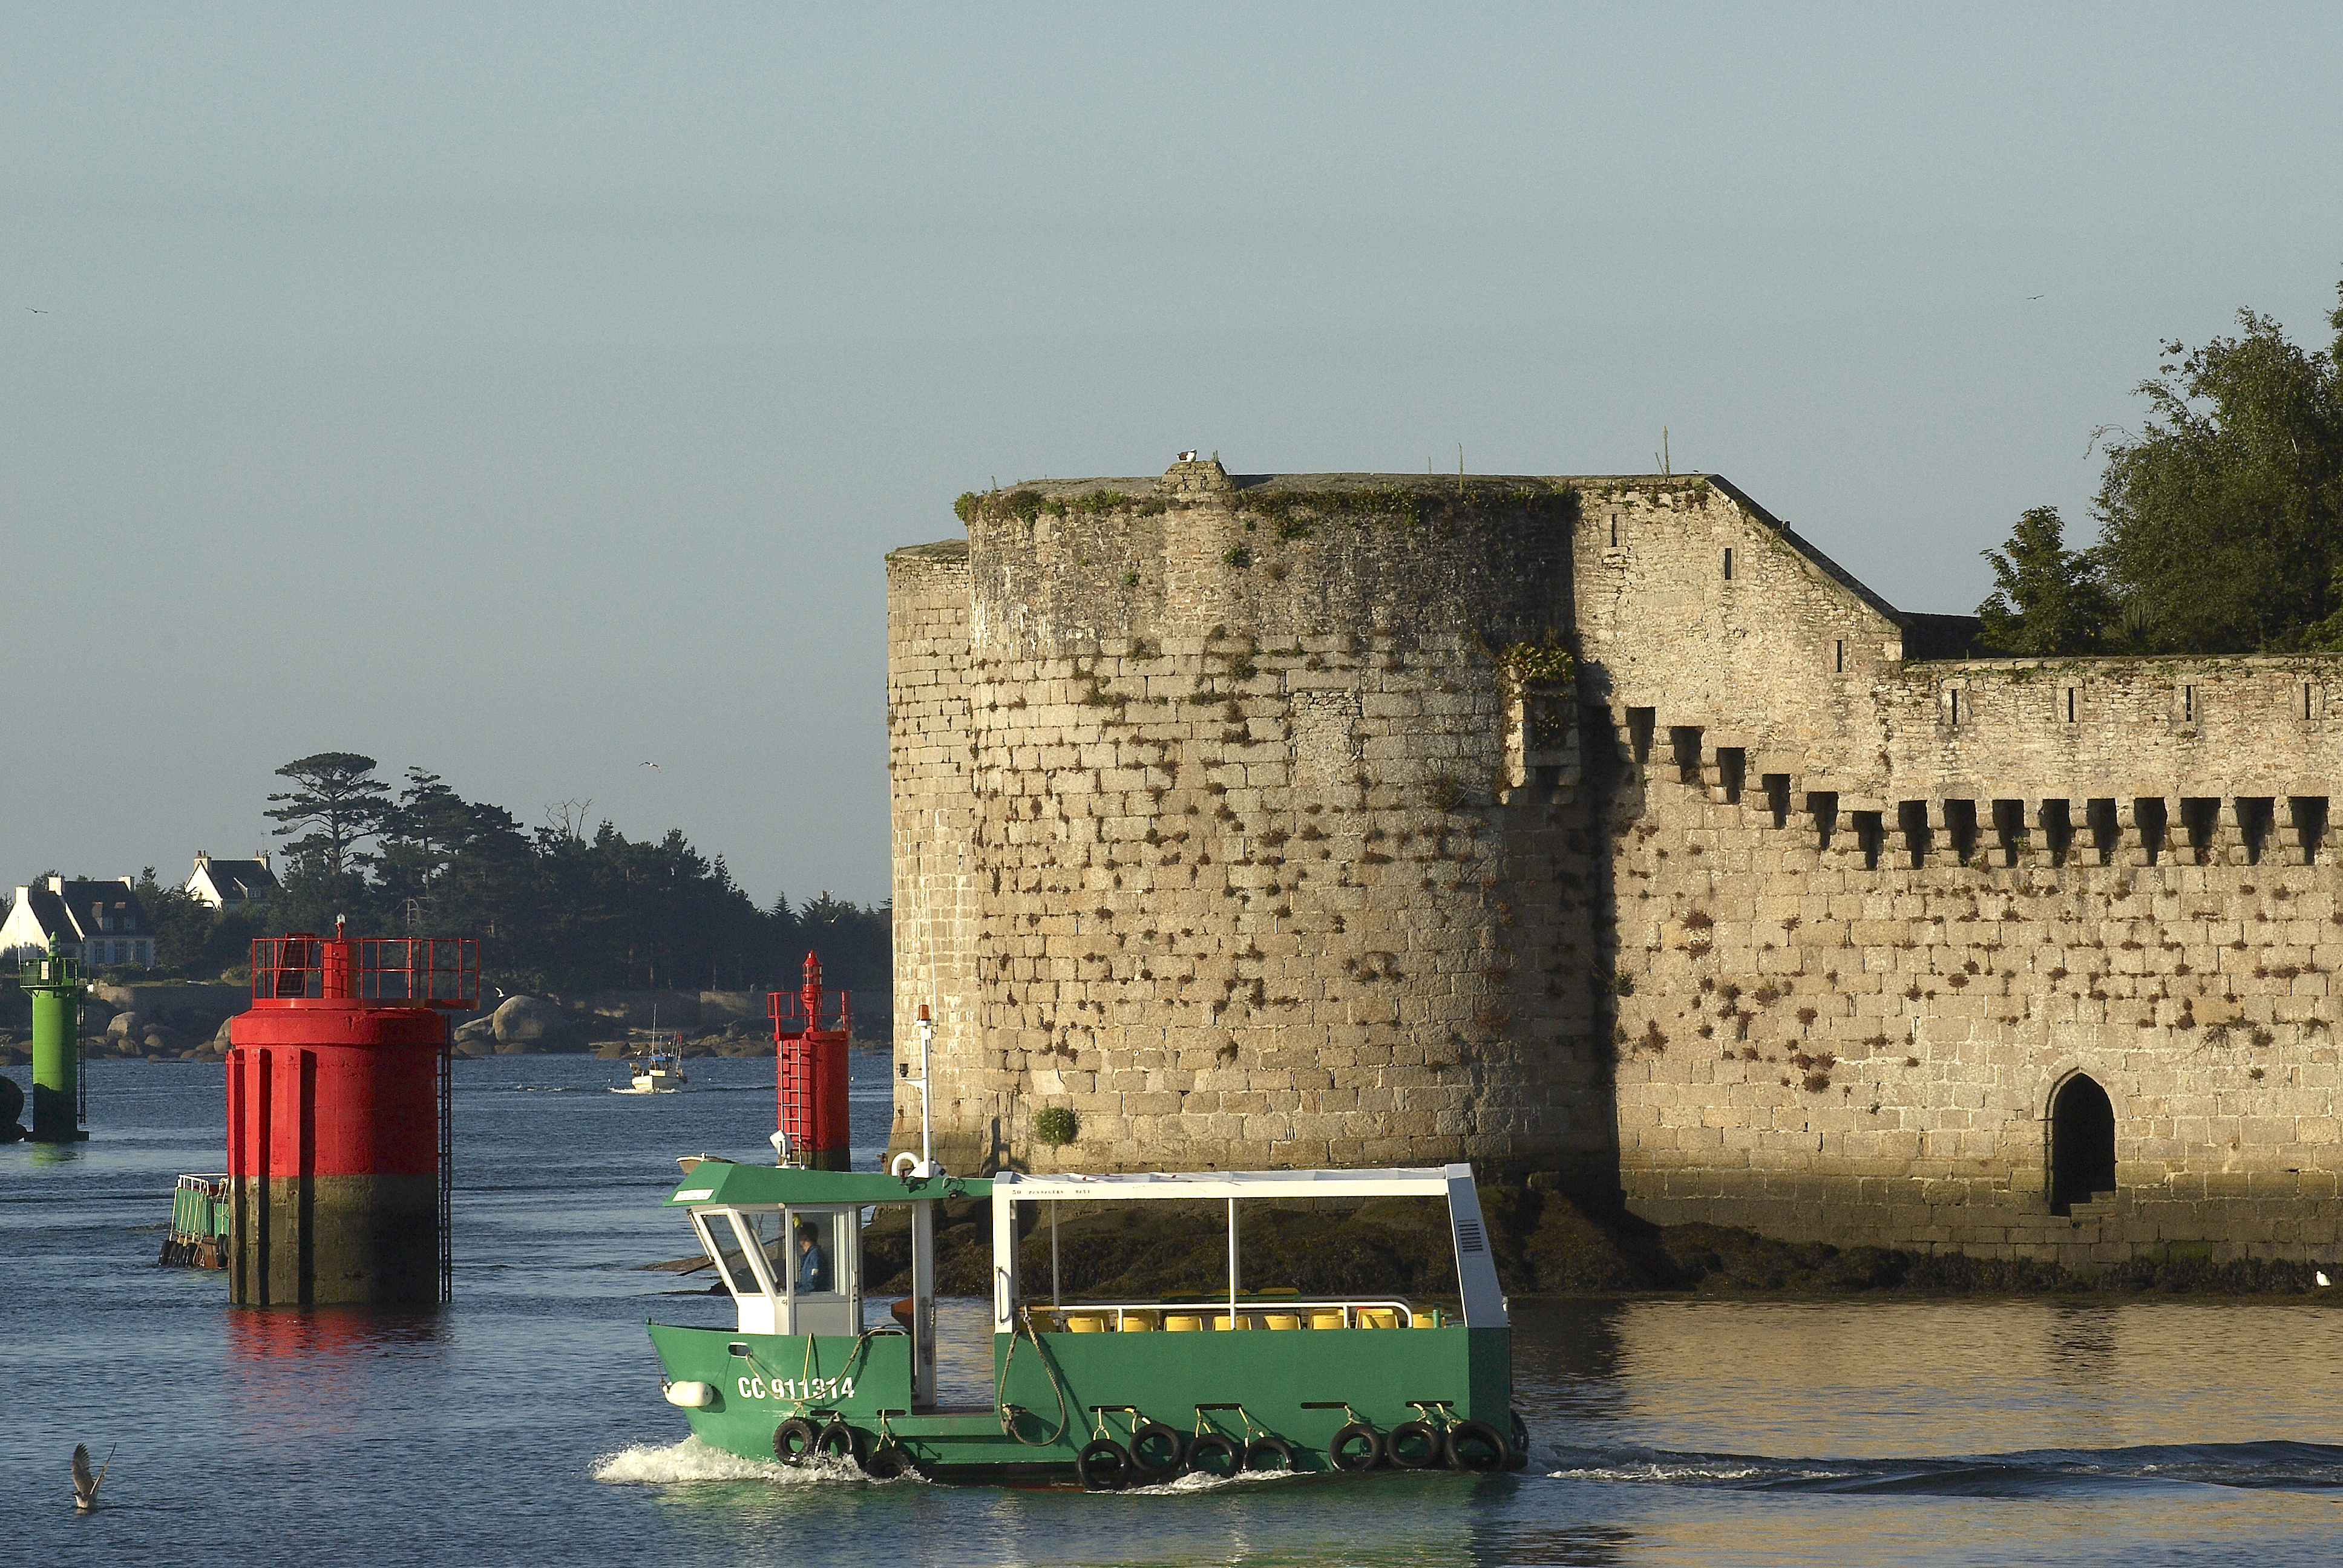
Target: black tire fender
1415 1445
1519 1432
1215 1454
885 1463
1158 1452
839 1440
1474 1445
1268 1454
1357 1446
794 1439
1104 1465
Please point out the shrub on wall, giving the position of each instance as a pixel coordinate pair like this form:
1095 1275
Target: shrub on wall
1054 1125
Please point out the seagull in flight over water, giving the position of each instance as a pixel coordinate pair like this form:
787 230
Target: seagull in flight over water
85 1486
651 764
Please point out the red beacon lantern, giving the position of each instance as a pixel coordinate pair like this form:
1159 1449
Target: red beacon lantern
810 1074
338 1119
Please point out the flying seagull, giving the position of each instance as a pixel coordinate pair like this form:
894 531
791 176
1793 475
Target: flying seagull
2036 296
37 310
85 1486
649 764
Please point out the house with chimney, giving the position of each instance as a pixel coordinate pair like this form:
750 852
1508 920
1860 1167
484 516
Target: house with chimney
102 923
231 884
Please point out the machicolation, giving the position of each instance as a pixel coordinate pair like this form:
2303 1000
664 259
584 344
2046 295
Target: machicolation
1602 825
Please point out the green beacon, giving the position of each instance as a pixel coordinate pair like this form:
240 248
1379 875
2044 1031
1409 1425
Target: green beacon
59 1104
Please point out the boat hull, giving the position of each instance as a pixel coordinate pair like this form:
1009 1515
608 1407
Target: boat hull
1302 1386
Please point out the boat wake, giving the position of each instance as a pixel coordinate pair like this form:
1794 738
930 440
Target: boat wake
651 1464
2287 1466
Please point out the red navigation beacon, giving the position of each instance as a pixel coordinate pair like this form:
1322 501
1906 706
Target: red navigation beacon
338 1119
809 1073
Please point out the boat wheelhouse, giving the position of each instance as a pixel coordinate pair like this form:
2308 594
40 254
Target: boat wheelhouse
1106 1391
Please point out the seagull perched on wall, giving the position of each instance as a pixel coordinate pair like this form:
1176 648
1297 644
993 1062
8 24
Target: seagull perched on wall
2321 1275
1189 456
85 1486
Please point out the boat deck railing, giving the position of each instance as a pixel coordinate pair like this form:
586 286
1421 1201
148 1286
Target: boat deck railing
1253 1312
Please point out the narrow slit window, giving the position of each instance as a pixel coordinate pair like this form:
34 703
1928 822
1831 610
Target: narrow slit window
1728 575
2310 708
2067 697
1953 706
2187 705
1838 656
1614 530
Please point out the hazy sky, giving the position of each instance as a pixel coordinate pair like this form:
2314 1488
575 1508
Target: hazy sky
529 392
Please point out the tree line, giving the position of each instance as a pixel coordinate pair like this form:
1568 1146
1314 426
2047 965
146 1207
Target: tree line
2220 520
557 907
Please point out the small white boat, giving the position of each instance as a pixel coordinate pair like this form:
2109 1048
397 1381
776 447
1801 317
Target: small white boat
658 1072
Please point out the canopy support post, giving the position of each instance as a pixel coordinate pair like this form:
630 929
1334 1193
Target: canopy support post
1233 1262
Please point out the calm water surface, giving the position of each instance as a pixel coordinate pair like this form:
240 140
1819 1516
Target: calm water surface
524 1423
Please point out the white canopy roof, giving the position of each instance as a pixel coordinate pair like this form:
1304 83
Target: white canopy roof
1422 1182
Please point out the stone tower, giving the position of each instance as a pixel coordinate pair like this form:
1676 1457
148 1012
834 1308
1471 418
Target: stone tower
1602 825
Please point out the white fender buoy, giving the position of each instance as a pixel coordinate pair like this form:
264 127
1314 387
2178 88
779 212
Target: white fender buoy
690 1395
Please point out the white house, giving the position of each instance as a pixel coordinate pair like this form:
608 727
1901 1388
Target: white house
101 923
226 884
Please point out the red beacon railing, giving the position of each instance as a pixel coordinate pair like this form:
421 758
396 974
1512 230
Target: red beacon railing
441 972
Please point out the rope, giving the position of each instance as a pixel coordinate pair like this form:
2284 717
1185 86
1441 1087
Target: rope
1009 1422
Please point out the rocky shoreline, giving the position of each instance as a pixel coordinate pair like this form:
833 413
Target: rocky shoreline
1545 1244
188 1022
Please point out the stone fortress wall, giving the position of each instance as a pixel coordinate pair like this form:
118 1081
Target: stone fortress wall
1222 817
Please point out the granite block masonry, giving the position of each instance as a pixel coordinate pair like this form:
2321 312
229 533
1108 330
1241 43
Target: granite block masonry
1252 820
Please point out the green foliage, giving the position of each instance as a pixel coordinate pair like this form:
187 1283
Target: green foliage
2047 600
1546 665
1236 556
2223 523
968 505
1055 1125
556 908
339 802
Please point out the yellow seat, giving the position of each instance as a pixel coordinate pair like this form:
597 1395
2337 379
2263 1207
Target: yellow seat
1180 1322
1138 1322
1378 1318
1326 1319
1281 1320
1044 1322
1222 1321
1426 1320
1085 1323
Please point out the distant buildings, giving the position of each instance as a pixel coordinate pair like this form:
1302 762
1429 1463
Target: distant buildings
231 884
101 923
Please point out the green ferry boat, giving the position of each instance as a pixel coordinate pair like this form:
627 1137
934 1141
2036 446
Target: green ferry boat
1103 1393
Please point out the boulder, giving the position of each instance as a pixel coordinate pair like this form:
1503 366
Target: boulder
194 1009
532 1021
127 1025
480 1029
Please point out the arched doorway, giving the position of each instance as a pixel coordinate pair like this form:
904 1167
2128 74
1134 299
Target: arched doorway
2082 1143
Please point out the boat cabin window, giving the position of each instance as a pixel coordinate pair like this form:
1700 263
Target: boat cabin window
722 1238
793 1270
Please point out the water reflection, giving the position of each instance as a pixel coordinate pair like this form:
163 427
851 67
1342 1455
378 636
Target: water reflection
1667 1431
